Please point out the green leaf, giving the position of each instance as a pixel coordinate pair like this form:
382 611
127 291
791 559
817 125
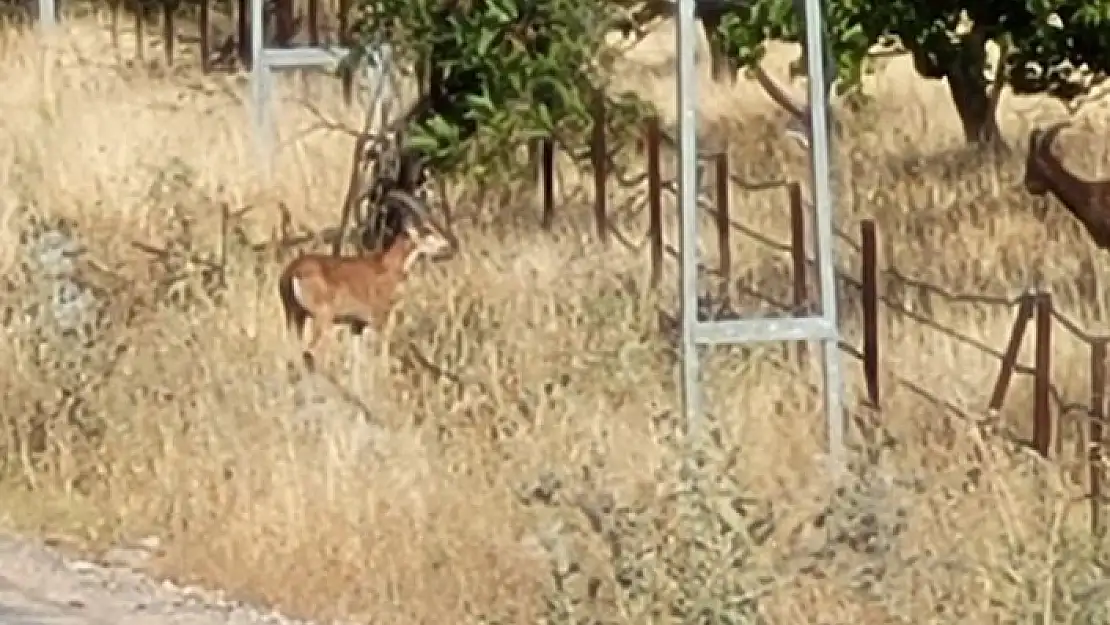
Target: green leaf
546 122
423 142
480 104
505 71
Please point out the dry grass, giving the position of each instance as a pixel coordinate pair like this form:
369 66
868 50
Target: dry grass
537 479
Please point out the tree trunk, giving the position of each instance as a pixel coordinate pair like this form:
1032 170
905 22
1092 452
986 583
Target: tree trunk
974 106
724 68
972 94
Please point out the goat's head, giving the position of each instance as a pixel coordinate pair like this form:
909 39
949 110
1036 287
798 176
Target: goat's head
421 234
1040 155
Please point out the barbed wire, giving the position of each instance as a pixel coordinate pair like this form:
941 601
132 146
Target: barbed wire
615 170
933 398
1078 332
620 236
671 186
933 290
954 296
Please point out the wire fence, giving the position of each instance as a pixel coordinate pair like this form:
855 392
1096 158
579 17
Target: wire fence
216 33
1049 408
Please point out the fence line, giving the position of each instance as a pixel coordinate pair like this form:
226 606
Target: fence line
1035 307
233 50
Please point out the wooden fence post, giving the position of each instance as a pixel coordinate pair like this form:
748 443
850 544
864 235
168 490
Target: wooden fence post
798 249
113 16
169 31
1095 439
205 41
140 38
870 282
284 21
547 182
313 22
599 157
655 200
724 227
799 266
1042 409
1010 356
244 26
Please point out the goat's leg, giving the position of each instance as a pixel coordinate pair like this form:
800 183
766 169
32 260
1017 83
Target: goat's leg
383 332
356 364
358 333
297 327
320 324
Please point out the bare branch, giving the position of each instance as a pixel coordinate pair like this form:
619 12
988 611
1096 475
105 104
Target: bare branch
1093 95
778 93
323 122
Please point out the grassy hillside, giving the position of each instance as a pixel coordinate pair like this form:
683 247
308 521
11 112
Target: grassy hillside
520 463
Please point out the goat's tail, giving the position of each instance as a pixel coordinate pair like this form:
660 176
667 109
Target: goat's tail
295 313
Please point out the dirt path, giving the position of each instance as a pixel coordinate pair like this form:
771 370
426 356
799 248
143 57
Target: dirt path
40 587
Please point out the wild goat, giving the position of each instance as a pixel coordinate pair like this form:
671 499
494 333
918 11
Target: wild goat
1087 200
357 291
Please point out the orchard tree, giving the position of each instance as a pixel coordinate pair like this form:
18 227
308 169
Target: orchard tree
497 73
1054 47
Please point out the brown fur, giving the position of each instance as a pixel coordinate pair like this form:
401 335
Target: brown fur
357 291
1087 200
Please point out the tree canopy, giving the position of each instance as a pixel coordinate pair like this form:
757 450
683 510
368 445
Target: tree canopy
498 72
1054 47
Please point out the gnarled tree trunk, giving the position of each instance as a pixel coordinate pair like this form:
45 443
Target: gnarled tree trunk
964 65
972 94
974 106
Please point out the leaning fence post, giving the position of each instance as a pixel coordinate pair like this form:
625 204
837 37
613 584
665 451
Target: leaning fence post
724 227
599 158
655 200
1010 356
870 282
1094 440
1042 410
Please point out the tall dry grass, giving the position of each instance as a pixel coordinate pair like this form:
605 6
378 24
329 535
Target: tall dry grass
522 464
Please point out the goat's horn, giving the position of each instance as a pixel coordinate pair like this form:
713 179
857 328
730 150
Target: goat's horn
1035 137
417 208
1048 136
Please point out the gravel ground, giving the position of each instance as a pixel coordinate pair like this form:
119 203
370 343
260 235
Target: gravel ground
38 586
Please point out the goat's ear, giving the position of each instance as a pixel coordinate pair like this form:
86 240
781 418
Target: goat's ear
412 232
